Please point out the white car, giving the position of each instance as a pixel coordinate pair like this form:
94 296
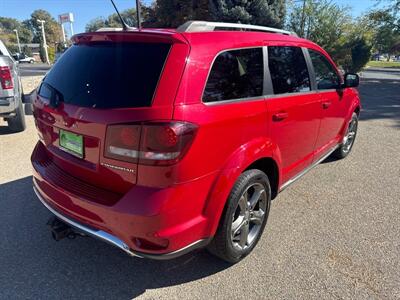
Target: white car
26 59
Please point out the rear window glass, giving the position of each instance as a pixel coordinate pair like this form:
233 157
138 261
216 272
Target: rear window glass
108 75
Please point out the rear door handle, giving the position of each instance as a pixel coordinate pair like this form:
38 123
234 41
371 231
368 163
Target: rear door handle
280 116
326 104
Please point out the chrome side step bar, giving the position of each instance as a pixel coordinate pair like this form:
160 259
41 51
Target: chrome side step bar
305 171
113 240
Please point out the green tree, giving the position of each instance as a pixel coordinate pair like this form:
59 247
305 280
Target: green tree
321 21
113 21
348 41
51 27
173 13
8 36
27 50
386 22
95 24
52 52
259 12
388 16
129 16
42 53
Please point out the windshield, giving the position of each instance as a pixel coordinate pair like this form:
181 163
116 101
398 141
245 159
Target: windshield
108 75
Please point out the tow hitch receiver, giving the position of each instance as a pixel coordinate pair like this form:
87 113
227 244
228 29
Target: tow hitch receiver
60 230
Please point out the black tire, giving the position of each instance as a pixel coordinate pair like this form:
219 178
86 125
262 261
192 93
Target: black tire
28 109
345 147
17 123
32 61
223 244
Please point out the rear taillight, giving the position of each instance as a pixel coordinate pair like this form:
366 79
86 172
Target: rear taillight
122 142
6 78
153 143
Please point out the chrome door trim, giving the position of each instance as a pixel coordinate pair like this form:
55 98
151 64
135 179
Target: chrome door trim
305 171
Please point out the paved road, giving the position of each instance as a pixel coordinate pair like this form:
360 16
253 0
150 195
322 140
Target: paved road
36 69
333 234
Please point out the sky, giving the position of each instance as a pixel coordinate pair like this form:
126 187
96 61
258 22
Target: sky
85 10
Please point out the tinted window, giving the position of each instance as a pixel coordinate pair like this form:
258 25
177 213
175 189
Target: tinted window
325 74
288 70
235 74
108 75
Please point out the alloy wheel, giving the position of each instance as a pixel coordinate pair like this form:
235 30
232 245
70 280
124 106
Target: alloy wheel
348 139
249 216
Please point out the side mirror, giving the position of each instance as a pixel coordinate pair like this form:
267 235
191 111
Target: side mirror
351 80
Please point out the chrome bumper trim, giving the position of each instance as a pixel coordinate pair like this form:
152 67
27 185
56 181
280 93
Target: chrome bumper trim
100 234
113 240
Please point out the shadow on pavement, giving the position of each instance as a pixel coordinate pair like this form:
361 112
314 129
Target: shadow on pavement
4 130
33 265
380 99
395 70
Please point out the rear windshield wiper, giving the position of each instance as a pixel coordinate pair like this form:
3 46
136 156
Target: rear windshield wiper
56 96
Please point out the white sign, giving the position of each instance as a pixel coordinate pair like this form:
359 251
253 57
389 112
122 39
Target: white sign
65 18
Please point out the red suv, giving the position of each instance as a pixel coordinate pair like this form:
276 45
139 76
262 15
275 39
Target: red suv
162 141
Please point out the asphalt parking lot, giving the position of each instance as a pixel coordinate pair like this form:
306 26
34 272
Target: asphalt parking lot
36 69
333 234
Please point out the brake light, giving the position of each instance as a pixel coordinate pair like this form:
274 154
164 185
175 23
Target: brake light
122 142
6 78
153 143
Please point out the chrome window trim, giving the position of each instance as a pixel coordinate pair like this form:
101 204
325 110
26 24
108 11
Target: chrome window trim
239 100
267 84
290 94
327 91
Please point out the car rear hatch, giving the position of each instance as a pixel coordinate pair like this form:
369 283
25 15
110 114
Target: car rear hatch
90 105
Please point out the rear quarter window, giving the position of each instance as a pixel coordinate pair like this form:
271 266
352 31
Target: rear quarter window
235 74
109 75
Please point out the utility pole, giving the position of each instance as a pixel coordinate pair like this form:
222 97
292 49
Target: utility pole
19 45
63 33
72 28
303 20
44 40
138 15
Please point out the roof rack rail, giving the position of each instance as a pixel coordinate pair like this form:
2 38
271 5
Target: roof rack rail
201 26
113 29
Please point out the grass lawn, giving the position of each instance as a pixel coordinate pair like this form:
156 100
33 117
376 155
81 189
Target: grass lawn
384 64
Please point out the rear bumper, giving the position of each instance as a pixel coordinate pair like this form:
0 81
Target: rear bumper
7 105
171 215
113 240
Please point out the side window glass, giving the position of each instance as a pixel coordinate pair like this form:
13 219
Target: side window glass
288 68
235 74
325 74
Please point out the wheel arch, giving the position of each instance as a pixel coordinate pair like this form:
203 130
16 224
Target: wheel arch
259 154
357 110
269 166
